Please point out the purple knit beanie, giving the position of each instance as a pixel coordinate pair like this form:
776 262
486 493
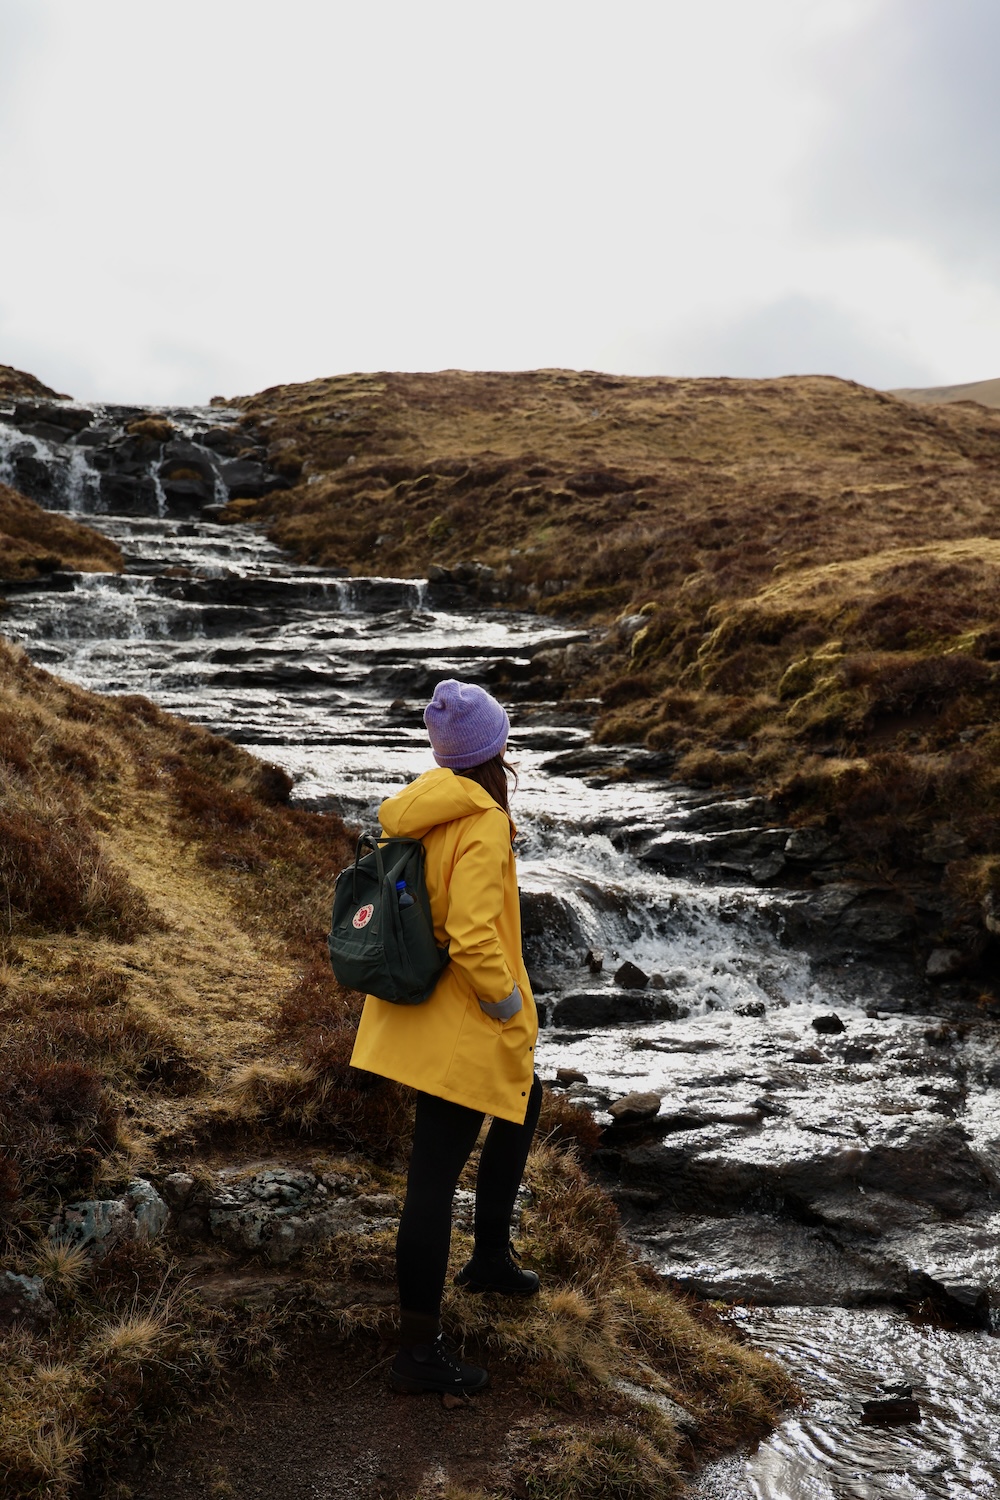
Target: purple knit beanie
465 724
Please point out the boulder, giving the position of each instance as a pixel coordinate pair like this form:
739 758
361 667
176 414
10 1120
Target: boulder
247 480
610 1007
631 977
830 1025
550 930
633 1109
23 1300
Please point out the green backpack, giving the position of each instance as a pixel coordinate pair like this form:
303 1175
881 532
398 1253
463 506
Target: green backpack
381 936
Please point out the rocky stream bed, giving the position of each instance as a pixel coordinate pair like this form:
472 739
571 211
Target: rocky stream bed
797 1121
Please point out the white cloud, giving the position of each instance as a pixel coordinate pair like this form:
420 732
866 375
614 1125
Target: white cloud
204 198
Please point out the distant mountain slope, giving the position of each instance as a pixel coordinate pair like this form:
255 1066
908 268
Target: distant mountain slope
986 392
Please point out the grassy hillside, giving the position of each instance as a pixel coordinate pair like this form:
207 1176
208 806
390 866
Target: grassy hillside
34 542
165 1003
799 575
14 383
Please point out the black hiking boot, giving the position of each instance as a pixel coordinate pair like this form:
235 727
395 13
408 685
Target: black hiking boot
497 1271
434 1367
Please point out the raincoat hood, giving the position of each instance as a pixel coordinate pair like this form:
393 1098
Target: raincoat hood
436 797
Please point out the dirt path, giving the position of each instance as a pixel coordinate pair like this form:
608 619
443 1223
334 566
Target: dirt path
317 1431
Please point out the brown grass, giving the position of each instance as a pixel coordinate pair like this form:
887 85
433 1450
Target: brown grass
14 383
33 542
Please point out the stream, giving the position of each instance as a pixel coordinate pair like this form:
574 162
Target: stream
825 1152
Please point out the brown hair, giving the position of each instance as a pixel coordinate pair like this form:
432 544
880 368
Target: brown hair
492 776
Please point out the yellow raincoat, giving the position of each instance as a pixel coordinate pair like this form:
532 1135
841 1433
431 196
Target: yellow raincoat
448 1046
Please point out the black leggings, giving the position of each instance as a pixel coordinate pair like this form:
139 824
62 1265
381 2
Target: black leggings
443 1137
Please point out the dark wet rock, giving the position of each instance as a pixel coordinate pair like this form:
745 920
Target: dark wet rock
635 1108
754 1008
810 846
550 929
757 852
944 963
566 1076
830 1025
768 1260
630 977
129 494
546 981
722 1167
954 1265
848 917
225 440
894 1412
23 1300
594 960
727 814
857 1212
612 1007
60 417
246 479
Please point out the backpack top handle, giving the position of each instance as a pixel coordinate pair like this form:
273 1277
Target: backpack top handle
373 845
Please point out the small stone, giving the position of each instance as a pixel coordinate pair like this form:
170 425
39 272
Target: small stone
566 1076
595 960
451 1402
631 977
943 963
23 1300
632 1109
830 1025
808 1055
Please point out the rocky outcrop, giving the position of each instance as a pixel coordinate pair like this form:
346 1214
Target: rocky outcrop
23 1300
131 461
99 1224
274 1212
788 1163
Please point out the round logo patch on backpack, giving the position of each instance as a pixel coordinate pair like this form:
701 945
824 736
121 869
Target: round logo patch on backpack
363 915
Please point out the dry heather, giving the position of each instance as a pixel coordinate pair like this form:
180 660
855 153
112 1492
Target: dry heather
800 574
14 383
163 998
34 542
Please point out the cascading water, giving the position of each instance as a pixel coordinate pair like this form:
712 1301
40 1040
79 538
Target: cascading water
767 1125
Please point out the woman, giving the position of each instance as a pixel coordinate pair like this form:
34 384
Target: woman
469 1049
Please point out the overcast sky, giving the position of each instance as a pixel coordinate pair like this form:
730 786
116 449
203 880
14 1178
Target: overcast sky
213 196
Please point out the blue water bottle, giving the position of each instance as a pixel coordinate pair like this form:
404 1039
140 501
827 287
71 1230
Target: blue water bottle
405 899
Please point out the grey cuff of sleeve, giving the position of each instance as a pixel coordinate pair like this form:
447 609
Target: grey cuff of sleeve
502 1010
